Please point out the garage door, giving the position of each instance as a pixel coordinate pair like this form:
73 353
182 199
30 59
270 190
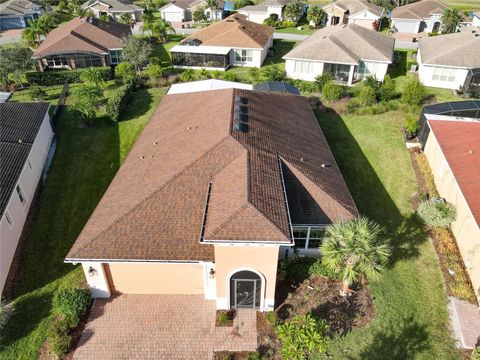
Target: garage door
173 16
404 26
155 278
11 23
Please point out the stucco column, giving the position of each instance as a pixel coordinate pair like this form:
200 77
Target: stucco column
350 74
96 279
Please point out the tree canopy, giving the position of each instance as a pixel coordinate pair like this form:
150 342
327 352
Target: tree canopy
15 60
451 18
136 52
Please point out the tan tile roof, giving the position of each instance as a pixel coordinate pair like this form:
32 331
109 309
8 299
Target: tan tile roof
419 10
461 49
355 6
347 44
114 5
155 207
234 31
84 34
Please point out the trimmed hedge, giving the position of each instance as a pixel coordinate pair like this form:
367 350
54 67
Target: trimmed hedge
72 302
60 77
118 102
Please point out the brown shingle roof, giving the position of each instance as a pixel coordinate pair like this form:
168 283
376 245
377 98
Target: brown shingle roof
419 10
234 31
347 44
155 208
84 34
355 6
461 49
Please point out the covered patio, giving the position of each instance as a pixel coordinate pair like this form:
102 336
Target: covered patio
201 57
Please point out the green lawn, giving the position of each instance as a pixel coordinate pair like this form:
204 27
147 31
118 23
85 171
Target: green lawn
84 164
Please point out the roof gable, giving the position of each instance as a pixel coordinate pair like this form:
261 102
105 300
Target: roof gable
419 10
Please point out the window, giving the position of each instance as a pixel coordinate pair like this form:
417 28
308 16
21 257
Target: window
243 55
20 195
444 74
303 67
308 237
57 62
366 69
115 56
9 219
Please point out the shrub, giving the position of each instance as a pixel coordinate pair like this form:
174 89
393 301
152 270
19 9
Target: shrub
272 318
414 93
412 126
271 22
375 85
352 106
273 73
187 75
321 80
154 73
118 101
37 93
230 76
223 318
332 91
59 343
306 86
367 96
124 72
254 74
72 302
476 353
302 336
216 74
60 77
319 269
387 90
289 24
437 214
253 355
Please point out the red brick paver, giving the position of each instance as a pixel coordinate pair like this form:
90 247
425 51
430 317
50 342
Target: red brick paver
161 327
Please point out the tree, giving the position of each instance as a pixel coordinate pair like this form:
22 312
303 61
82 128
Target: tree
414 93
367 96
355 250
32 34
387 90
93 76
86 99
315 15
148 19
160 28
450 20
136 52
213 6
46 23
199 15
293 10
124 72
126 18
15 61
242 3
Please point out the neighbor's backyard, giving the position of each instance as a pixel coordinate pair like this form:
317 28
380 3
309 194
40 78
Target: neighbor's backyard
410 321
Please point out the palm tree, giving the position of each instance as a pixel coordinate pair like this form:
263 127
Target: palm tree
33 33
293 10
94 77
148 19
315 15
46 23
355 251
450 20
160 29
125 18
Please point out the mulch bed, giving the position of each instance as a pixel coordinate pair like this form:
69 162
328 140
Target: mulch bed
230 314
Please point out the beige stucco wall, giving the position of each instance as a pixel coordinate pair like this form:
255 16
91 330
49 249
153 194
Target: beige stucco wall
465 228
155 278
262 259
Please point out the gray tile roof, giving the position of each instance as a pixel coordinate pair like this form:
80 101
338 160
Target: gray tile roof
355 6
114 5
346 44
17 7
461 49
419 10
19 125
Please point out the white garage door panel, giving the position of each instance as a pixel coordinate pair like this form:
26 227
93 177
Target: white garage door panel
408 27
155 278
173 16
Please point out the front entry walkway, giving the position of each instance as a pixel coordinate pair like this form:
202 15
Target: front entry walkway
161 327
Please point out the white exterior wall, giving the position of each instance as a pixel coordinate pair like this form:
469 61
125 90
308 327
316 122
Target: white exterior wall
173 13
290 70
28 180
380 69
406 25
275 10
425 75
364 18
430 22
258 56
255 17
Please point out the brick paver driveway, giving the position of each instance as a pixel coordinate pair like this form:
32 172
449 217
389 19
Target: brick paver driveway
161 327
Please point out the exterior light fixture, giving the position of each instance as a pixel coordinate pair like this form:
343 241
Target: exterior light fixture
211 273
91 271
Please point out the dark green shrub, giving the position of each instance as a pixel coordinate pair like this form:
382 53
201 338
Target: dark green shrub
230 76
332 91
319 269
437 214
254 74
60 77
387 91
414 93
321 80
72 302
375 85
119 100
59 343
367 96
187 75
412 126
306 86
37 93
273 73
223 319
124 72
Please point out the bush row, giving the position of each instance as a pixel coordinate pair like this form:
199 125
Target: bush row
117 102
60 77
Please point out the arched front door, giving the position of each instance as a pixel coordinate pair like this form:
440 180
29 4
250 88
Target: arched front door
245 290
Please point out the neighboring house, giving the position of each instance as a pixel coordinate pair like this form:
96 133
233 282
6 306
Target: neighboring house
476 18
262 11
25 138
349 52
216 186
83 42
450 61
233 41
205 85
15 14
182 10
114 9
453 152
360 12
417 17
